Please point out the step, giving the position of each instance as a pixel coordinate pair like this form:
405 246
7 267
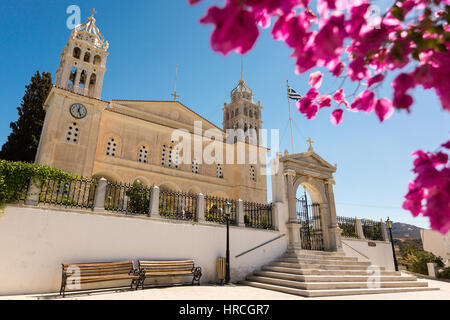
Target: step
333 285
320 266
326 272
331 278
322 253
318 257
330 293
324 261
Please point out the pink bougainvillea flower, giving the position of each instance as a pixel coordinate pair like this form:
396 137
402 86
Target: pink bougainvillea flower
263 18
336 67
192 2
403 101
403 82
414 199
312 94
324 101
337 116
329 41
429 193
339 97
364 102
384 109
357 69
235 29
307 107
315 79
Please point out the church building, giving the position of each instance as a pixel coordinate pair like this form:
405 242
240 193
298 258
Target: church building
128 140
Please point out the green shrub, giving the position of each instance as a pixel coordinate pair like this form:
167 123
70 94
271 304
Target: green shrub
15 178
416 260
139 199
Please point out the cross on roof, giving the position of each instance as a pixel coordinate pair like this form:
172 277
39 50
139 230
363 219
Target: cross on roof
310 143
175 96
93 12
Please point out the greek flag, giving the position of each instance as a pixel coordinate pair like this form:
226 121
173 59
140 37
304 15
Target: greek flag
294 95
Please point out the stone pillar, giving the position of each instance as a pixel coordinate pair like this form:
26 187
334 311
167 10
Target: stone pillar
432 269
100 194
384 233
291 196
154 203
295 241
76 83
334 230
86 83
276 212
240 213
33 193
359 230
200 207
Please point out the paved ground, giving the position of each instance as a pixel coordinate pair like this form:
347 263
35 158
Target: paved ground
238 292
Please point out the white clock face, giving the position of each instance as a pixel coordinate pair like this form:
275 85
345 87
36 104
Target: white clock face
78 111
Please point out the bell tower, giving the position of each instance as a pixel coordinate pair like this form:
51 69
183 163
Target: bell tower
83 60
242 113
73 106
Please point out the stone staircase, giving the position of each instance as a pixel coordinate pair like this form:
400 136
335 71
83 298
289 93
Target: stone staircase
322 274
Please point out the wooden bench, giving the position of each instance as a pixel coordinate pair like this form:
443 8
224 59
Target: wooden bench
150 269
98 272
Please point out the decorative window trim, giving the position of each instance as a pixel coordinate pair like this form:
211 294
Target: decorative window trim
143 154
219 171
73 133
252 174
112 147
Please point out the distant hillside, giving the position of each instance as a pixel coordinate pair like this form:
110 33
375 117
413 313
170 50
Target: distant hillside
405 231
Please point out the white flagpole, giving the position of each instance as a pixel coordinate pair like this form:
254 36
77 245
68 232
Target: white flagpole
290 117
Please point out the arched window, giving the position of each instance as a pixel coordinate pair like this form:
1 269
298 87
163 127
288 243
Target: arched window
87 57
111 148
195 166
163 156
97 60
143 154
73 133
76 53
252 174
219 171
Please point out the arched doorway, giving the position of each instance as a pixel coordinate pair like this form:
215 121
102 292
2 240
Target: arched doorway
309 216
304 184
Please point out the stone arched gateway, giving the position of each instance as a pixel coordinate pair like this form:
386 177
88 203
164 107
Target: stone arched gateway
313 225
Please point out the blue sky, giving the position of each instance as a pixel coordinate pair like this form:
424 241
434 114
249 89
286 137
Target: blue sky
149 38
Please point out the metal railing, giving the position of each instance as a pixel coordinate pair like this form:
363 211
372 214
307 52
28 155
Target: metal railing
73 193
371 229
348 226
257 215
178 205
126 198
212 212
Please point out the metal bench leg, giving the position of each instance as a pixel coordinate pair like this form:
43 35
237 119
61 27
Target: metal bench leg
197 275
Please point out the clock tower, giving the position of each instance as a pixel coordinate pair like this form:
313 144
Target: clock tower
73 106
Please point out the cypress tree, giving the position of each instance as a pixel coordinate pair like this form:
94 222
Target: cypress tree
23 141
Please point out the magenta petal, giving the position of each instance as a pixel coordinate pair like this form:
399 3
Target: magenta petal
375 79
337 116
384 109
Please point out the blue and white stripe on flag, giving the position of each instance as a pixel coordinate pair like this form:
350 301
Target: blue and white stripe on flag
292 94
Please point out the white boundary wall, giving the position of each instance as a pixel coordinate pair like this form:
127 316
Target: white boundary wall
380 255
34 242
